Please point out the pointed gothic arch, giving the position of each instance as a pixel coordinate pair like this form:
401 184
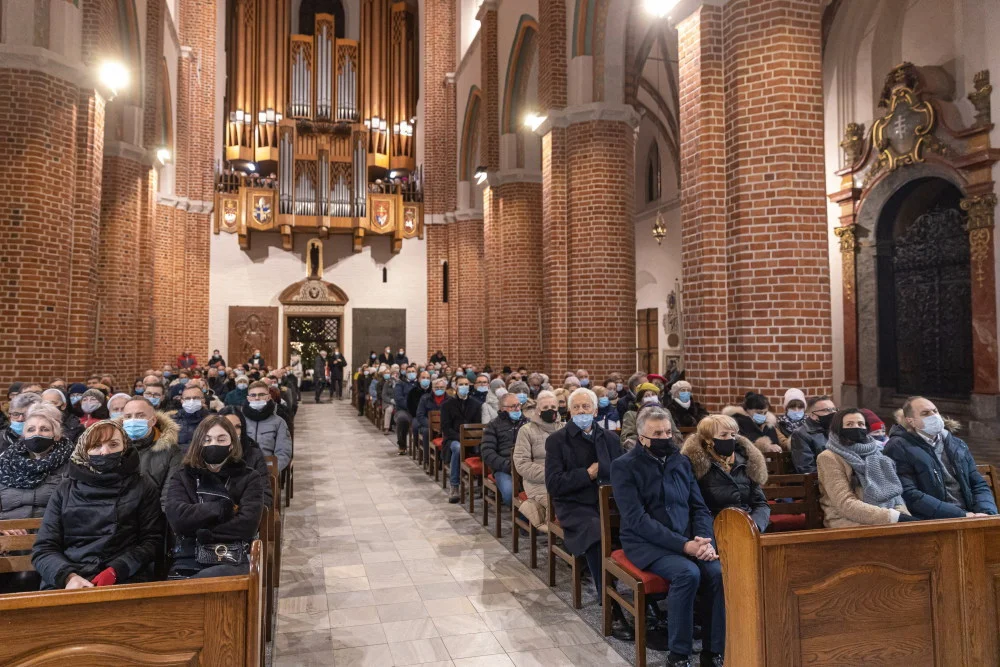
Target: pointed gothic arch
470 136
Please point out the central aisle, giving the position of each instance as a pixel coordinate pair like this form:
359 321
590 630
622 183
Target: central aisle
379 569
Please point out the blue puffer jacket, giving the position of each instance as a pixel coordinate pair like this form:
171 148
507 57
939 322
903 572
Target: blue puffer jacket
923 478
660 504
402 390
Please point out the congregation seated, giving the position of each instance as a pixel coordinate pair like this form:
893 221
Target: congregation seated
578 459
32 467
431 401
685 411
18 412
757 422
528 457
214 504
935 467
666 529
457 411
499 437
729 468
808 441
793 418
103 523
857 481
251 451
190 414
238 396
94 406
116 405
491 401
265 426
154 436
607 414
387 394
71 426
404 417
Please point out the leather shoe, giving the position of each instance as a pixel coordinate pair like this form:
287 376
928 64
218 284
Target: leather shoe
711 660
621 629
679 662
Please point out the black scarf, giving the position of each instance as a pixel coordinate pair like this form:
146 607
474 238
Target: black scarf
259 415
19 470
81 470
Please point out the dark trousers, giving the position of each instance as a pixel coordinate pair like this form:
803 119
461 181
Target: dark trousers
593 557
362 401
403 421
320 386
687 577
337 387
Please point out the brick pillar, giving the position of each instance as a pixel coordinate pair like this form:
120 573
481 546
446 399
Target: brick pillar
518 249
555 252
752 123
704 238
491 251
552 63
600 250
489 78
470 287
165 290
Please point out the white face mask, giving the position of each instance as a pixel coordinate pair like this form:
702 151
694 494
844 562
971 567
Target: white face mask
257 405
90 405
933 424
191 405
650 398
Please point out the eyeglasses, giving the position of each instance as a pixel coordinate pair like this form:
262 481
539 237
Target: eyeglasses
258 395
824 411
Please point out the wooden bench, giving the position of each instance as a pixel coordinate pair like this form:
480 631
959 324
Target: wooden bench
989 474
272 547
520 522
15 550
615 566
492 499
917 593
779 463
576 563
794 501
433 464
214 621
470 470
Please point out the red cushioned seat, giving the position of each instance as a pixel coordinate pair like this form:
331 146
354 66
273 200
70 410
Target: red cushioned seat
522 496
475 465
491 478
438 442
783 523
651 582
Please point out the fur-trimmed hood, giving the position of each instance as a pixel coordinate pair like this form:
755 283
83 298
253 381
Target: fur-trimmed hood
952 425
169 431
701 461
731 410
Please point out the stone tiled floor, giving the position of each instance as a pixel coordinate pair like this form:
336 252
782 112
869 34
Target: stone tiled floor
379 570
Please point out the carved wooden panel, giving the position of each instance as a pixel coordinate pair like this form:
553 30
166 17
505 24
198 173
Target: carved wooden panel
253 327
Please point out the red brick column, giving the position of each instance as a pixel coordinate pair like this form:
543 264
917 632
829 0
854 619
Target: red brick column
492 245
470 287
165 295
704 238
555 252
489 78
552 62
517 287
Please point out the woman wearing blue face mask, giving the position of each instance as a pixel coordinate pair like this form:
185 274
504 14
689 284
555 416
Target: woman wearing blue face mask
757 423
686 411
795 412
19 407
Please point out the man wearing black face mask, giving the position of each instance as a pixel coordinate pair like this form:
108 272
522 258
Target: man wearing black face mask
809 440
666 529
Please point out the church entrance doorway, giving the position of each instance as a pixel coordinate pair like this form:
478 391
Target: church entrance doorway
924 292
308 335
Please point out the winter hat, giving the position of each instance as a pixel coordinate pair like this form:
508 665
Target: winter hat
793 395
647 386
77 388
15 388
872 420
654 376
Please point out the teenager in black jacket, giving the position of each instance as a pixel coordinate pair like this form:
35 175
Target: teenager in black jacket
214 503
455 412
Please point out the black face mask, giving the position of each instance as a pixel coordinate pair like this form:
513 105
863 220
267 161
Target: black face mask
549 416
724 448
39 444
661 447
564 412
854 435
103 463
825 421
215 454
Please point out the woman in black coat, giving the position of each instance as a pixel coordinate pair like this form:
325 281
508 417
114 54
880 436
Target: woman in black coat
757 423
730 470
214 504
103 523
252 453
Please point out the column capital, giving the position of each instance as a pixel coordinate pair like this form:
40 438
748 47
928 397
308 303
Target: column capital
585 113
499 178
686 8
485 7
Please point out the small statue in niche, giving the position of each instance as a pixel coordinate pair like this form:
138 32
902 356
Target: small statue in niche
314 259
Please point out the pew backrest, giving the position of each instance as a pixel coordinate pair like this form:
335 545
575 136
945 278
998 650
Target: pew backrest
989 473
795 494
15 550
611 520
469 436
433 424
779 463
212 621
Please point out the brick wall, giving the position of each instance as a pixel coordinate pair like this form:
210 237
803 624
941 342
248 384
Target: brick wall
552 64
470 287
555 249
489 81
437 311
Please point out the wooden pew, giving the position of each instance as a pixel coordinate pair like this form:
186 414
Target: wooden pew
576 563
794 501
989 473
779 463
470 471
433 463
910 594
215 621
15 550
518 520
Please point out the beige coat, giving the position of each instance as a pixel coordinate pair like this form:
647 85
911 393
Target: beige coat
529 461
840 496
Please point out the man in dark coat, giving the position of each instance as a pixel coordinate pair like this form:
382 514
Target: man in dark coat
809 441
456 412
430 401
321 376
401 391
666 529
387 357
337 363
577 461
499 437
401 357
938 473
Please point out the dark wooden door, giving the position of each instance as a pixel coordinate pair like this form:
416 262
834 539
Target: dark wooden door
373 329
253 327
648 339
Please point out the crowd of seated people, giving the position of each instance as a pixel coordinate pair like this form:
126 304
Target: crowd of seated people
138 485
566 437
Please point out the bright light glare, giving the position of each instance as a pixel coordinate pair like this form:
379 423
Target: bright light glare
163 154
533 121
659 8
113 75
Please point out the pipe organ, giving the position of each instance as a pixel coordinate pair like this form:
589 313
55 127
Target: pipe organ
320 130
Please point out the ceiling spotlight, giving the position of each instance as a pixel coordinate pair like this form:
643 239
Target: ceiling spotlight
533 121
659 8
113 76
480 175
251 167
163 155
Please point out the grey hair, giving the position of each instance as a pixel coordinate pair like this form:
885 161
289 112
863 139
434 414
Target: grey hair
535 376
518 387
650 415
22 401
511 394
57 392
49 413
440 379
585 392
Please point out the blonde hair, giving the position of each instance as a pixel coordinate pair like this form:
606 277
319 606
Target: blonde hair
47 412
712 424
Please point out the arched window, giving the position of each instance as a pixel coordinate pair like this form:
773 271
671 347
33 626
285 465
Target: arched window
310 8
653 180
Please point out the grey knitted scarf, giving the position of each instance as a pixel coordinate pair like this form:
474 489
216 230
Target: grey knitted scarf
874 470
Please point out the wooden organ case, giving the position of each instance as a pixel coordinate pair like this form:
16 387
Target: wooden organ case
320 131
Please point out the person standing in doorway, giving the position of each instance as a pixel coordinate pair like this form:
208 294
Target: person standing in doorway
337 364
321 376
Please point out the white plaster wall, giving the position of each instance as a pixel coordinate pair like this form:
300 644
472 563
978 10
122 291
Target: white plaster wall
257 278
468 26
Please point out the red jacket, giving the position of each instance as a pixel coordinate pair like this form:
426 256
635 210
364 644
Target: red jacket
188 361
